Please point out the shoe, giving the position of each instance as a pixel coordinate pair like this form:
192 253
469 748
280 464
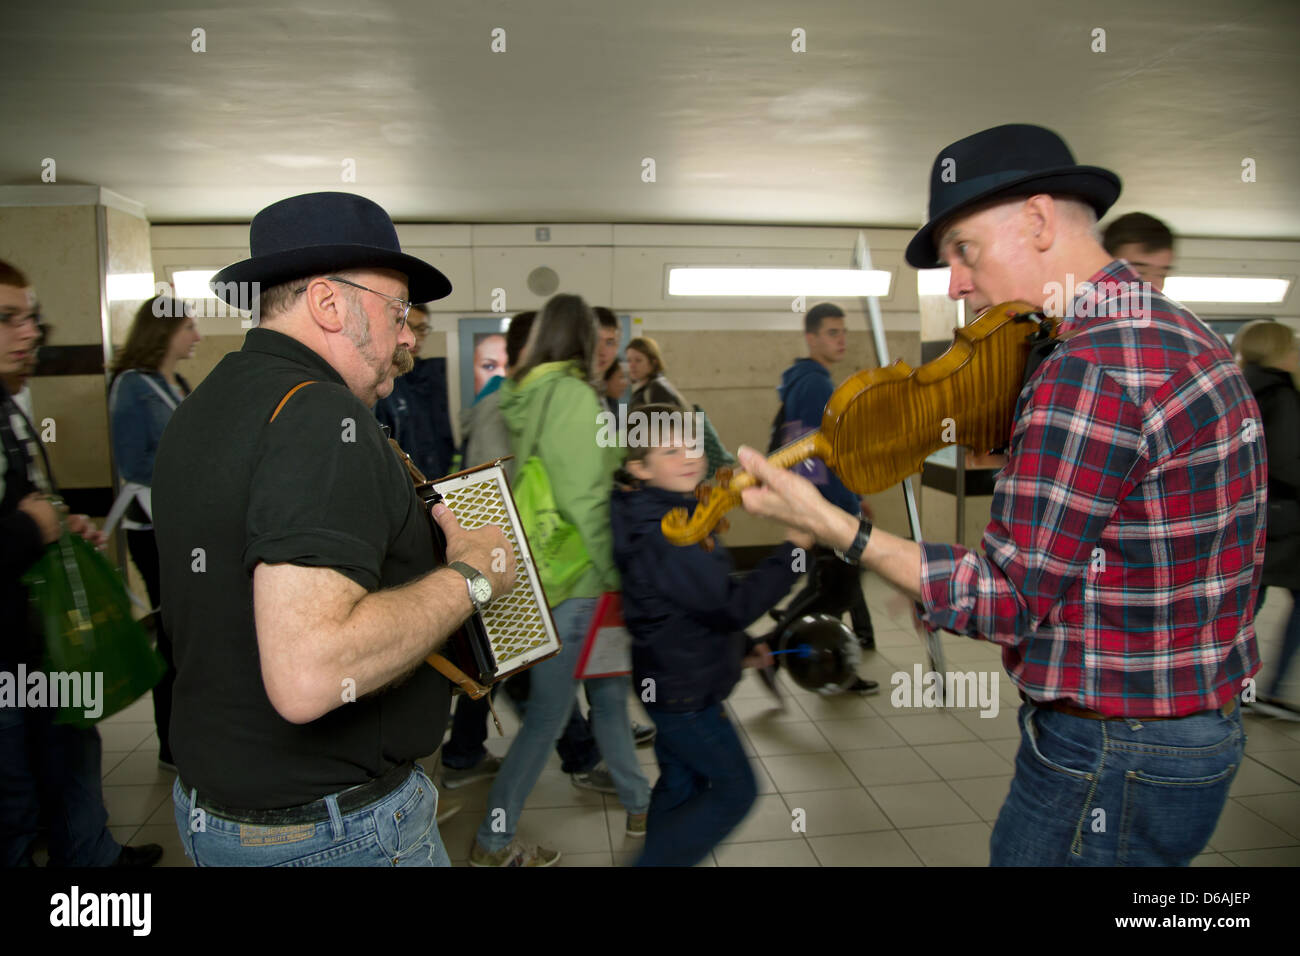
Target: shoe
147 854
867 640
863 688
1273 707
514 853
448 809
636 824
768 676
453 779
643 734
597 778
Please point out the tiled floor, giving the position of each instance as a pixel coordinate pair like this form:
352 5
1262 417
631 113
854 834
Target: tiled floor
876 786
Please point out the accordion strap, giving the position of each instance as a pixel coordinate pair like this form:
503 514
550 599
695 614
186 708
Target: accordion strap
441 664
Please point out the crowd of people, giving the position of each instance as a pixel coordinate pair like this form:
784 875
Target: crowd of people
317 568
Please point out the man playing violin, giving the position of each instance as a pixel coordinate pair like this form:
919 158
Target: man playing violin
1127 531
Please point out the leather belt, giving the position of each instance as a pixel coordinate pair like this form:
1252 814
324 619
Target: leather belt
1065 707
349 800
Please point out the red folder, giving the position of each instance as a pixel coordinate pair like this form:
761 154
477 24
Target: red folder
607 649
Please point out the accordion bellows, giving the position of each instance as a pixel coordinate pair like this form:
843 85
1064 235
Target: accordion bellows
519 624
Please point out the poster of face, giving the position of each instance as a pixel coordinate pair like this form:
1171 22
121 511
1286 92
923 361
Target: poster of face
483 352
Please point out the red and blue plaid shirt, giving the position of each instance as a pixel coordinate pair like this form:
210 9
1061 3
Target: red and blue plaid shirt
1123 555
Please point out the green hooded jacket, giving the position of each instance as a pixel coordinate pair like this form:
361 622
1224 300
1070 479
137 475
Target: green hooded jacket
581 471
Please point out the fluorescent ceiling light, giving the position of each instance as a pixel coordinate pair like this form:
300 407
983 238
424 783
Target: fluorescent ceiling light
193 283
778 282
130 286
933 281
1226 289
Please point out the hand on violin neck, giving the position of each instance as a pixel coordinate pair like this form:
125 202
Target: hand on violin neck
791 499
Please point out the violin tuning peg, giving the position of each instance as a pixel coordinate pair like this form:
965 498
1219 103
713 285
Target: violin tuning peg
707 545
723 526
702 493
723 476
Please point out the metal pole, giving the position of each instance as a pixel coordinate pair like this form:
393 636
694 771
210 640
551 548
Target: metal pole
862 259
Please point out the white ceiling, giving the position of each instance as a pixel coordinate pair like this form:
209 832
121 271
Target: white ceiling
742 129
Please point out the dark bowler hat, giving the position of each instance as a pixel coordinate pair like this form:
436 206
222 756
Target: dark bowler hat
318 233
1001 163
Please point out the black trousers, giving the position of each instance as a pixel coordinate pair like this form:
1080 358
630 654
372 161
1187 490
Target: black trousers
143 547
833 587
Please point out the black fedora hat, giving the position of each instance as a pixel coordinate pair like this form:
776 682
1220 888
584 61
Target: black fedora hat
323 232
1001 163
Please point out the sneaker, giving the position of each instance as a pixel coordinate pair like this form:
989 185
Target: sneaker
146 854
863 688
636 824
597 778
448 809
1273 707
514 853
867 640
643 734
453 779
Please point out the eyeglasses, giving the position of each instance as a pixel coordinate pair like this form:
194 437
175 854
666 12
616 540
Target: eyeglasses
403 303
16 320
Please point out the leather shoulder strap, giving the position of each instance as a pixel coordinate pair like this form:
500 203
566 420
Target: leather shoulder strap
288 395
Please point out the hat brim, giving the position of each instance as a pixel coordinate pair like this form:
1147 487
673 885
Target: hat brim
1096 186
239 284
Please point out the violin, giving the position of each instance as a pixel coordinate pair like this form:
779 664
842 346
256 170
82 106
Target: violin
882 423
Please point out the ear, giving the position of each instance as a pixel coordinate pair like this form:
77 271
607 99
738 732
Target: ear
1041 221
638 470
326 305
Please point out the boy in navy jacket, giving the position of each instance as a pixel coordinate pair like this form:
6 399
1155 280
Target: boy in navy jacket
687 617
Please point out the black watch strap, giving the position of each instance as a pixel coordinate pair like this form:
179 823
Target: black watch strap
854 554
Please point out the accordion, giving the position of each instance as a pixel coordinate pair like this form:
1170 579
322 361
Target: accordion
516 630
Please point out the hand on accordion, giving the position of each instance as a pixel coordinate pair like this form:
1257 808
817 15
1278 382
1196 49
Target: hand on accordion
484 549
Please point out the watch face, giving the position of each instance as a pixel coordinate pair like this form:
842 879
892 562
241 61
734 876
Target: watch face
482 589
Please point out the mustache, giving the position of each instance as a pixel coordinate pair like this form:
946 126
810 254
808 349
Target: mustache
403 361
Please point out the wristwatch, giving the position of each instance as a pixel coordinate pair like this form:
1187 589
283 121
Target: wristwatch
854 554
480 588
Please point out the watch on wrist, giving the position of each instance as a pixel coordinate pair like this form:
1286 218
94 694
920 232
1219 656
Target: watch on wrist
854 553
480 588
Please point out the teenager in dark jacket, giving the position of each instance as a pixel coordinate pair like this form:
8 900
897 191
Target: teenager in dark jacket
687 617
1270 359
833 586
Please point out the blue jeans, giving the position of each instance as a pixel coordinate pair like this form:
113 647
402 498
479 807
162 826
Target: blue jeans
1116 792
469 731
52 773
399 830
550 703
705 786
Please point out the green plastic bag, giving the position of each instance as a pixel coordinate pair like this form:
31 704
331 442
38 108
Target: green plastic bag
558 552
85 614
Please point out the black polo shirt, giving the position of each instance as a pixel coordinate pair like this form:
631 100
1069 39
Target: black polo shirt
318 487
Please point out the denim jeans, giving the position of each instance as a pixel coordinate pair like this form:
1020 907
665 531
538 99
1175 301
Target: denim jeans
1290 642
399 830
550 703
1116 792
705 786
52 773
469 730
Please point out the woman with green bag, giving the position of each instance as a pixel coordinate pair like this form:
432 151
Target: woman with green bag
562 489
